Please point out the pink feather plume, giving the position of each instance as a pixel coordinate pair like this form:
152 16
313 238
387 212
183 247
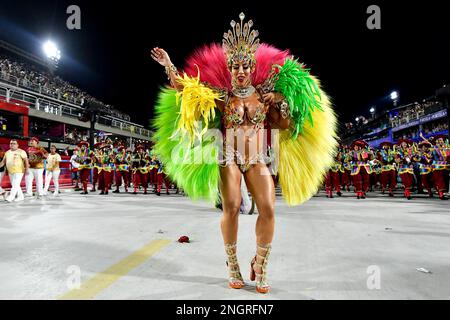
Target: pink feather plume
211 61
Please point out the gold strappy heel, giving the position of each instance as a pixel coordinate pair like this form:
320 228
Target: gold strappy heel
261 261
235 280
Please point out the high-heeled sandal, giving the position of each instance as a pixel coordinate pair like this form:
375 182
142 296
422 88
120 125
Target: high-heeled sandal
261 278
235 280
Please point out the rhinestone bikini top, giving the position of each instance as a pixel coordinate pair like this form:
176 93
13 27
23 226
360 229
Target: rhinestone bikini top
236 116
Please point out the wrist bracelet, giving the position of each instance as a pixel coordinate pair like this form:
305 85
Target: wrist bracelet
284 109
171 68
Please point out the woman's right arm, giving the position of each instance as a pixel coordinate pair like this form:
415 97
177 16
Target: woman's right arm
162 57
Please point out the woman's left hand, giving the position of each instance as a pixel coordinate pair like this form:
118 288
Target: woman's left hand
269 98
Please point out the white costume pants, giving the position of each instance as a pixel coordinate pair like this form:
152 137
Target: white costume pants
16 190
38 175
49 175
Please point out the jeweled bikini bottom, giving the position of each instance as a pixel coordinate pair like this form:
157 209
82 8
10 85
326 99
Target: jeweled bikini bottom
236 157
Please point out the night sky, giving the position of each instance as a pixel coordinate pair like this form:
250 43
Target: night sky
109 57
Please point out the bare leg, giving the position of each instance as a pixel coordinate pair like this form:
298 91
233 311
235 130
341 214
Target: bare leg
231 201
261 186
260 183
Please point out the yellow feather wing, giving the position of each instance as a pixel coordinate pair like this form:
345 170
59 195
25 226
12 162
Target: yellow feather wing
304 161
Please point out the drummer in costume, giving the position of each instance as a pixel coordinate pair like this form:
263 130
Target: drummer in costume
361 168
153 172
128 159
105 171
388 177
440 165
84 159
424 157
139 164
403 158
36 157
96 164
74 169
332 179
346 179
122 169
161 177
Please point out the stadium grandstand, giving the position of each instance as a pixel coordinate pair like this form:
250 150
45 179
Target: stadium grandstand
429 117
34 101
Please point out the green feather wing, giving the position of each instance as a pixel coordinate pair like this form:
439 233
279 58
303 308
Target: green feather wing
198 179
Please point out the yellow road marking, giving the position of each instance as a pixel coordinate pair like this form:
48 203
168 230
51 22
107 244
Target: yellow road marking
104 279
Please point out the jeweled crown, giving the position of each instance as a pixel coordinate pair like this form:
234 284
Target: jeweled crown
240 43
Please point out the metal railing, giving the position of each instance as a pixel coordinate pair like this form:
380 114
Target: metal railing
416 115
11 89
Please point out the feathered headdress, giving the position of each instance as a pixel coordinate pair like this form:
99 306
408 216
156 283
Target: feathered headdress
240 43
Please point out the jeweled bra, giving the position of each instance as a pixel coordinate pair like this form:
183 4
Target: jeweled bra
233 118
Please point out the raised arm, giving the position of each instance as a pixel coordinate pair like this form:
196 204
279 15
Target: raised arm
162 57
426 140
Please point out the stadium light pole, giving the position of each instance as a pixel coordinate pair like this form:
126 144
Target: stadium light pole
394 97
372 112
52 53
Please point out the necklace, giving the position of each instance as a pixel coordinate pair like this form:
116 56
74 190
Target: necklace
243 92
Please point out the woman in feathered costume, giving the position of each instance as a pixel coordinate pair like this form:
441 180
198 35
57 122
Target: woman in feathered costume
217 121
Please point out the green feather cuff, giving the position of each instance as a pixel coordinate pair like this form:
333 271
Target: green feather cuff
300 91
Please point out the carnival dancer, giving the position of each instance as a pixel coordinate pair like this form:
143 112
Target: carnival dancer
403 158
139 166
2 170
332 179
105 171
36 157
122 168
361 168
16 162
84 159
388 177
251 86
52 171
425 161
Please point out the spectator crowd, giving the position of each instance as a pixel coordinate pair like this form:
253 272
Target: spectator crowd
29 76
413 112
